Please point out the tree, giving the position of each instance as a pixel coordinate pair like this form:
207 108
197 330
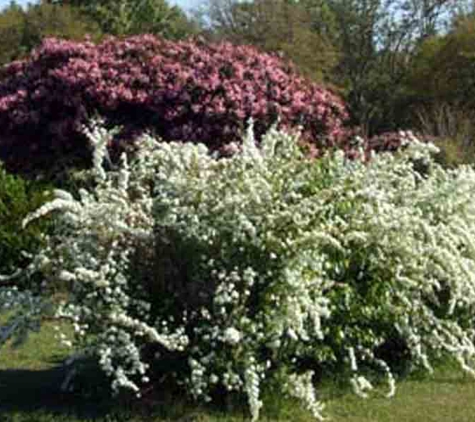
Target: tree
443 69
132 17
377 39
51 20
362 46
22 30
11 32
283 26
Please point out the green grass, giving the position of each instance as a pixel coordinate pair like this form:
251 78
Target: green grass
30 377
446 396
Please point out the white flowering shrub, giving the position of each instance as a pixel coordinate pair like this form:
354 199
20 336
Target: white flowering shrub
230 275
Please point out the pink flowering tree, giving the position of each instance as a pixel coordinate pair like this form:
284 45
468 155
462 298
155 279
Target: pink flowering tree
188 91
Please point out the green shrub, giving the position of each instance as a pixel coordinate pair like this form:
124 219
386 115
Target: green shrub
18 198
233 275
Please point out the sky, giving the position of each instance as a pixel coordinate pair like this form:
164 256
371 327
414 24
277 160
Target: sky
185 4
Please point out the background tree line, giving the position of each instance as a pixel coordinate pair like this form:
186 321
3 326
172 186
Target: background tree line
398 63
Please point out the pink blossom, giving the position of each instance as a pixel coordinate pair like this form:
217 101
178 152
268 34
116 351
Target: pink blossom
186 90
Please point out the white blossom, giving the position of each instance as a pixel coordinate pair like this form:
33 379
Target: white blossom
232 336
279 253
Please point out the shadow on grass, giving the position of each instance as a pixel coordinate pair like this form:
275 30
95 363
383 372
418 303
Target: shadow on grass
25 391
36 395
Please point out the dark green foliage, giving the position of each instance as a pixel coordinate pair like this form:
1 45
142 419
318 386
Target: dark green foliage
443 69
18 198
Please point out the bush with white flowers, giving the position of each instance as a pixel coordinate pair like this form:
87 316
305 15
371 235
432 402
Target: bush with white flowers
237 272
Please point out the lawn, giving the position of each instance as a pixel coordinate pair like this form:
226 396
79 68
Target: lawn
30 377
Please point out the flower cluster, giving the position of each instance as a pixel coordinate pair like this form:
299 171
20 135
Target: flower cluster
235 274
186 91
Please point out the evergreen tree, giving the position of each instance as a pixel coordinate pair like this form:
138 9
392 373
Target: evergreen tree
132 17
